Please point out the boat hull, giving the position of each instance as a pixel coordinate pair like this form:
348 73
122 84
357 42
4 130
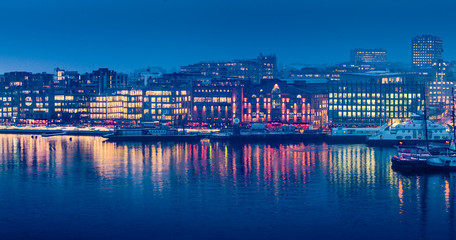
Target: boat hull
162 138
272 137
435 168
391 143
54 134
442 163
347 139
408 165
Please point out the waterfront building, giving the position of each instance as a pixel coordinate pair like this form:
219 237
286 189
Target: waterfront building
12 83
374 98
35 106
369 56
426 51
279 101
216 101
319 103
167 104
9 107
26 97
103 97
71 106
118 107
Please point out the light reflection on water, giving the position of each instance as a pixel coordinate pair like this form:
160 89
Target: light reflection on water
54 186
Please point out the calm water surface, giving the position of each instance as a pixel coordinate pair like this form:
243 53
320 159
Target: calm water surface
54 188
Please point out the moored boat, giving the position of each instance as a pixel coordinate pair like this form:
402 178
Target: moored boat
157 133
411 132
350 135
237 135
447 160
410 159
444 162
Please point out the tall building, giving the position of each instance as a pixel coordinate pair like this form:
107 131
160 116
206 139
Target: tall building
441 84
268 66
370 56
374 98
426 50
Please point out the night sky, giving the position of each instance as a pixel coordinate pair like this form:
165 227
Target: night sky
126 35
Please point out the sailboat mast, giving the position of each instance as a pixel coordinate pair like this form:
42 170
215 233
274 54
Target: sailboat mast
425 119
452 103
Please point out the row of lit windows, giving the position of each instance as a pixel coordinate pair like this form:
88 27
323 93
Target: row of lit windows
212 99
63 98
115 116
370 102
41 110
210 90
158 99
368 108
373 114
158 93
98 110
71 110
131 92
378 95
159 111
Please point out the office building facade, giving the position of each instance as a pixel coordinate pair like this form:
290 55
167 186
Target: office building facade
426 50
375 98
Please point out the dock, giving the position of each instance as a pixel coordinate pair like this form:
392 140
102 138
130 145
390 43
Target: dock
70 131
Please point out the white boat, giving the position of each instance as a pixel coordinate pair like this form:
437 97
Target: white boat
346 134
410 132
444 162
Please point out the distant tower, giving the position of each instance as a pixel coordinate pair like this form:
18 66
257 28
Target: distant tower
426 50
268 66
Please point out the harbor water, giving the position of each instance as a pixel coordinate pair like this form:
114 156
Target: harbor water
85 188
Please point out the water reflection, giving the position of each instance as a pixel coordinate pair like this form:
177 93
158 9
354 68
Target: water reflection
327 184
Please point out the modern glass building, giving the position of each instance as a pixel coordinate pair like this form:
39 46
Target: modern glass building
374 98
166 104
426 50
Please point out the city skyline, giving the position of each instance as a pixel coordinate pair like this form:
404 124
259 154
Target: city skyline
86 35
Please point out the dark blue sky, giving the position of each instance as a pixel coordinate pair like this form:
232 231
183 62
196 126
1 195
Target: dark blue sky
125 35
